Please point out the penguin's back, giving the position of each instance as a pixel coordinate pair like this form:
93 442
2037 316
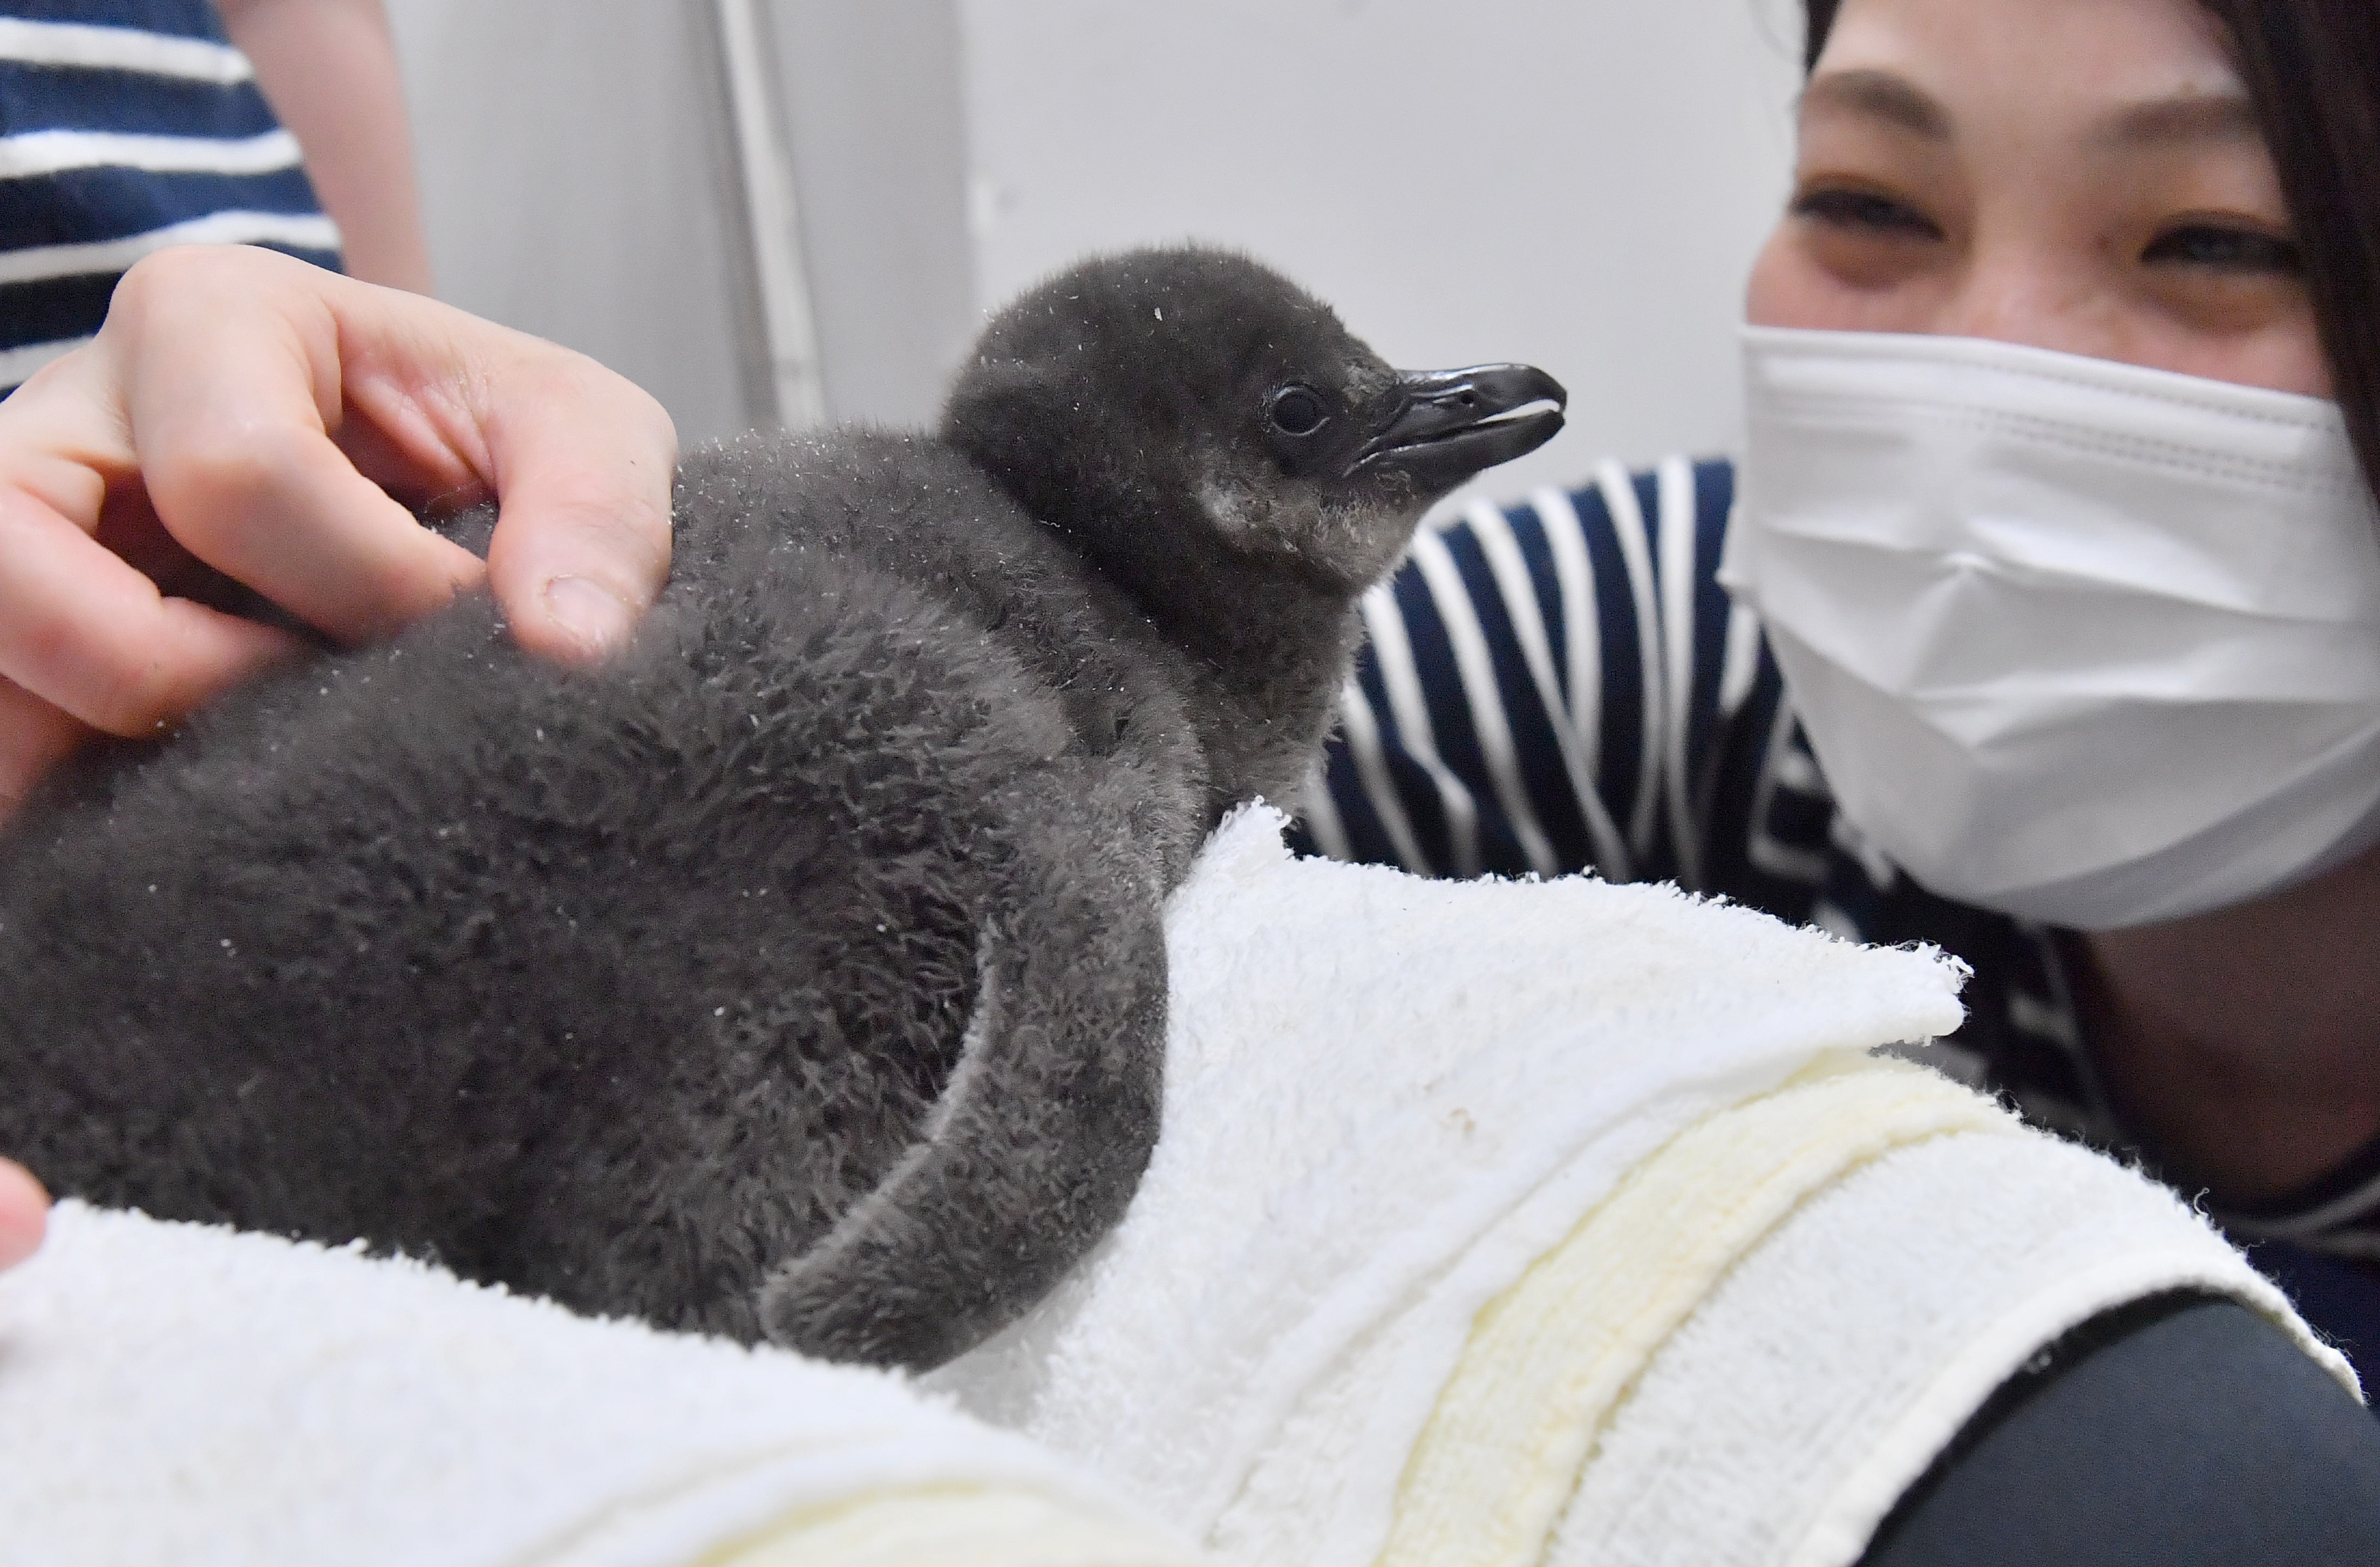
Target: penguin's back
913 508
438 945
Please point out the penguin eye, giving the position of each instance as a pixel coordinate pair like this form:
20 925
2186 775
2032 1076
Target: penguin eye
1297 410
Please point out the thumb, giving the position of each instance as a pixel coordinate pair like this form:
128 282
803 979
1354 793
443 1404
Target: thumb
582 540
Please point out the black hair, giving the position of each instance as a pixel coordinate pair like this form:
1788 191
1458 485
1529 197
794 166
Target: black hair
2312 70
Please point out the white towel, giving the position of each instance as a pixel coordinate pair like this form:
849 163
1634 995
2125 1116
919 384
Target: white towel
1439 1157
1436 1157
186 1397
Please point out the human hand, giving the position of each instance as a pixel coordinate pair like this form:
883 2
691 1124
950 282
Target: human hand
244 412
24 1214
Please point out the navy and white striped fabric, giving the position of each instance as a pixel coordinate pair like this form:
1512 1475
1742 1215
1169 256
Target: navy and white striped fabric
127 126
1564 685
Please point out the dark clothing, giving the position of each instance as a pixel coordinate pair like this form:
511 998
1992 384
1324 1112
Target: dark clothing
2181 1432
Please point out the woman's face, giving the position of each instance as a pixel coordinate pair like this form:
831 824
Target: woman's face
2085 176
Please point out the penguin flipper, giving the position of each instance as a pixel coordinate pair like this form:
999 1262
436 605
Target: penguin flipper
1040 1138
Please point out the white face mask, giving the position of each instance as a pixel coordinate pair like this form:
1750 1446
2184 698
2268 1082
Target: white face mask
2076 640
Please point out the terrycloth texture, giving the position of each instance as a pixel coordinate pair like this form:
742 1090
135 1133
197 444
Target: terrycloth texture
1456 1177
1548 1359
1385 1099
183 1397
974 1526
1783 1420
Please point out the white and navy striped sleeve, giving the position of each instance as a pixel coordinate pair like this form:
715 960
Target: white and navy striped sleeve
127 126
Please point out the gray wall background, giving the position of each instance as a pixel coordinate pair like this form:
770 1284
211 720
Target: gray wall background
1580 183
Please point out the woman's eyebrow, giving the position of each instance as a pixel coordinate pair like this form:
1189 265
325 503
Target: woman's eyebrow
1879 94
2188 116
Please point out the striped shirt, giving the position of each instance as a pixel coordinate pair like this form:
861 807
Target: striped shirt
127 126
1564 685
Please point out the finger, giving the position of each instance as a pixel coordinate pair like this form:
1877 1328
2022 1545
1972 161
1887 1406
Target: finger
87 634
391 466
440 406
433 403
583 462
34 737
250 480
24 1213
282 512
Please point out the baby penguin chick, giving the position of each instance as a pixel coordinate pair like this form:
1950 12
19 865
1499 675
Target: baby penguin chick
800 973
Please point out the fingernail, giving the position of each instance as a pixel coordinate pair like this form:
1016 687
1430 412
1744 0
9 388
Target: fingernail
591 613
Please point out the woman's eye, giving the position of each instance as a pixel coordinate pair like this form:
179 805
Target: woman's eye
1865 210
2225 250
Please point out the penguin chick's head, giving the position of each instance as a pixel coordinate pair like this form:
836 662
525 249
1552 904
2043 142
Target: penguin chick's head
1167 406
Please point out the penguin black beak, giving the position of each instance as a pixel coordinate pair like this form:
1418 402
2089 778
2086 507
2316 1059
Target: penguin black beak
1450 424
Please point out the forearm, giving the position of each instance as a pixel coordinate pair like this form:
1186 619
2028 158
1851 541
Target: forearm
329 69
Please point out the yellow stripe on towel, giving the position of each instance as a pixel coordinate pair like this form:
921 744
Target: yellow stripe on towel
1550 1359
951 1526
